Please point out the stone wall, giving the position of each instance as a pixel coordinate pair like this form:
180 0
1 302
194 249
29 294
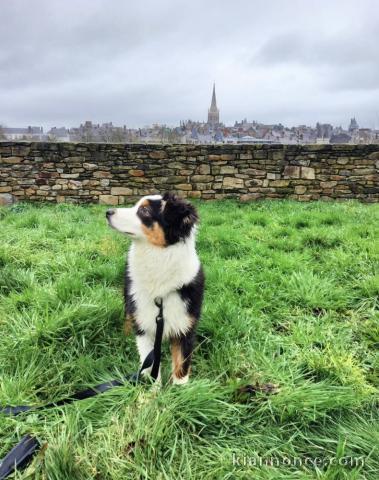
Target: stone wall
115 173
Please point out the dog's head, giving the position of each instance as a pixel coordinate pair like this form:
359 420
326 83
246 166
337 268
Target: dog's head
162 221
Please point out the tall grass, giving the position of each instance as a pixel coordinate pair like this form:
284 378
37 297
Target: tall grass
291 301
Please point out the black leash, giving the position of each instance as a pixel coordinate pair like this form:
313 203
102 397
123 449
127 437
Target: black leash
158 339
23 452
19 456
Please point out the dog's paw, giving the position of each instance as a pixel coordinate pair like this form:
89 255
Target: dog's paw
180 381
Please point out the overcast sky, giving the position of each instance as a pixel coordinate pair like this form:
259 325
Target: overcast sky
135 63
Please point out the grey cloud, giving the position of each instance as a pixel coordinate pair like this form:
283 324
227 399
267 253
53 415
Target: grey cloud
342 60
65 62
344 48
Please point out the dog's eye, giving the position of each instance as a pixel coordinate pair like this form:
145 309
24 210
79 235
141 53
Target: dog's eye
144 210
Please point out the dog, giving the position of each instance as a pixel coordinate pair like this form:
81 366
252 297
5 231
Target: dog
162 263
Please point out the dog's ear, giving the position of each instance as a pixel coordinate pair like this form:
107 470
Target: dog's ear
170 197
179 210
179 215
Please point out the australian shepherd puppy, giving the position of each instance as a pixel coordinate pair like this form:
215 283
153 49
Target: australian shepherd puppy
162 262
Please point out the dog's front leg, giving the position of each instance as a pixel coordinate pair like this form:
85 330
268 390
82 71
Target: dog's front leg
181 352
145 345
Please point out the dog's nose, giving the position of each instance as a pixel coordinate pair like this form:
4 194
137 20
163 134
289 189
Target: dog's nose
110 212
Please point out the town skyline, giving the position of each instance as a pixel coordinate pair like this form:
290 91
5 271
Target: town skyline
216 114
213 130
213 118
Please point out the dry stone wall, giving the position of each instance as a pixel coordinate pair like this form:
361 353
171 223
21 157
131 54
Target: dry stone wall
117 173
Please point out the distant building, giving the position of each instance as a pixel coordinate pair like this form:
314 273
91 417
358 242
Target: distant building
218 137
213 111
323 131
353 125
322 140
34 133
251 140
340 138
61 134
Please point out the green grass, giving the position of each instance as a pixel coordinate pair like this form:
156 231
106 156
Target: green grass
291 299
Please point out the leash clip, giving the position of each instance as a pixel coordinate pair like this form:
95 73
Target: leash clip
159 303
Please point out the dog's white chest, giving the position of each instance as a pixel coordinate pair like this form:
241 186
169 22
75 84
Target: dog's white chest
176 319
157 272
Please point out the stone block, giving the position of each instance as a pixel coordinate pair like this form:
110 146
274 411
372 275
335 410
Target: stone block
259 155
70 175
98 174
308 173
363 171
194 194
202 186
158 154
108 200
27 181
273 176
232 183
11 160
228 169
204 169
136 173
255 172
7 199
183 186
291 171
304 198
121 191
176 165
74 185
279 183
176 179
342 160
202 178
300 189
328 184
248 197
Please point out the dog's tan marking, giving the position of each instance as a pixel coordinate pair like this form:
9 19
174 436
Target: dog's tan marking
128 325
192 321
177 359
145 203
155 234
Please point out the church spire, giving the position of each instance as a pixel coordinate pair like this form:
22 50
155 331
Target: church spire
214 104
213 112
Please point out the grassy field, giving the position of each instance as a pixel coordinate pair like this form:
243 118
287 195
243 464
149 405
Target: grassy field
291 300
